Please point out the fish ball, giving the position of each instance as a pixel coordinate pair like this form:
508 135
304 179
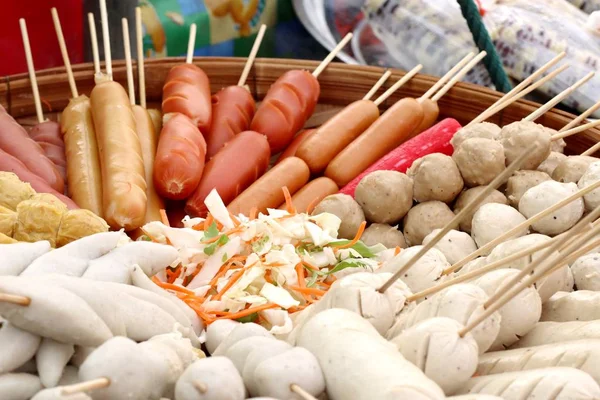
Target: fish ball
493 220
522 181
591 176
551 162
467 196
455 245
586 272
572 168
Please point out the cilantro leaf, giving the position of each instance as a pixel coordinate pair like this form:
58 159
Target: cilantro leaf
211 232
360 247
348 263
248 318
211 248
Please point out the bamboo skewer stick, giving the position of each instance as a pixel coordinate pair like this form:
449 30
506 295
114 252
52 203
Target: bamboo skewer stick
446 77
581 117
377 85
401 82
301 392
252 56
332 55
31 69
191 43
591 150
128 65
98 383
15 299
140 56
64 52
94 40
106 39
573 131
458 76
458 217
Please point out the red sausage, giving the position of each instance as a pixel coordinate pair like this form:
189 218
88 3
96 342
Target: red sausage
239 163
48 135
232 111
290 151
12 164
15 141
179 158
187 91
289 102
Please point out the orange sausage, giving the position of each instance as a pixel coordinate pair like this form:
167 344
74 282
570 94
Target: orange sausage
388 132
15 141
232 111
289 102
312 193
187 91
179 158
81 151
233 169
292 148
267 192
123 180
431 112
337 133
148 143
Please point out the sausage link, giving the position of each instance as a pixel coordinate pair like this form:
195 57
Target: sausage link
187 91
232 111
15 141
266 192
12 164
179 158
233 169
47 134
431 112
148 143
289 102
123 183
292 148
312 193
337 133
81 151
385 134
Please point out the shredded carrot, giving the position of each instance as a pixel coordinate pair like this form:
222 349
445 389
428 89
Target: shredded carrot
198 309
269 277
289 205
309 265
172 275
361 229
219 274
312 205
236 222
253 213
170 286
292 310
208 221
234 278
163 217
397 251
307 290
249 311
301 281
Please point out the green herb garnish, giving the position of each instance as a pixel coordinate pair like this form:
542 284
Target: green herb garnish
248 318
211 248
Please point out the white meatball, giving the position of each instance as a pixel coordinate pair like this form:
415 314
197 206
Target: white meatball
424 273
551 162
586 272
522 181
569 281
493 220
485 130
435 346
557 145
545 195
455 245
472 265
591 176
572 168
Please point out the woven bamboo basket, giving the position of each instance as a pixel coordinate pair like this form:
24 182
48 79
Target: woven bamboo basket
340 85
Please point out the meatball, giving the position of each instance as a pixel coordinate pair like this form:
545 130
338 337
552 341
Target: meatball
385 196
516 137
455 245
591 176
424 218
467 196
346 209
549 164
520 182
545 195
435 177
388 236
586 272
557 145
493 220
479 160
572 168
485 130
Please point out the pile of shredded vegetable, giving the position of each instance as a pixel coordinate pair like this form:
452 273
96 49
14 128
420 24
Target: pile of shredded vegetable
260 268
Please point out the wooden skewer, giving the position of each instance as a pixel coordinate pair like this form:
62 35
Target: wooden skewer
581 117
407 77
301 392
252 56
459 76
505 297
523 225
15 299
191 43
332 55
128 65
31 69
64 52
377 85
106 39
458 217
591 150
140 56
446 77
508 101
87 386
558 98
94 40
573 131
200 386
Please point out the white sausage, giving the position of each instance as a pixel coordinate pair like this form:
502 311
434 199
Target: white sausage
257 356
215 374
238 333
558 383
51 359
424 273
556 332
19 386
358 363
17 256
461 302
435 346
238 352
581 305
16 346
580 354
217 332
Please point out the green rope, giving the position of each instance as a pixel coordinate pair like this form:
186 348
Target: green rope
481 37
